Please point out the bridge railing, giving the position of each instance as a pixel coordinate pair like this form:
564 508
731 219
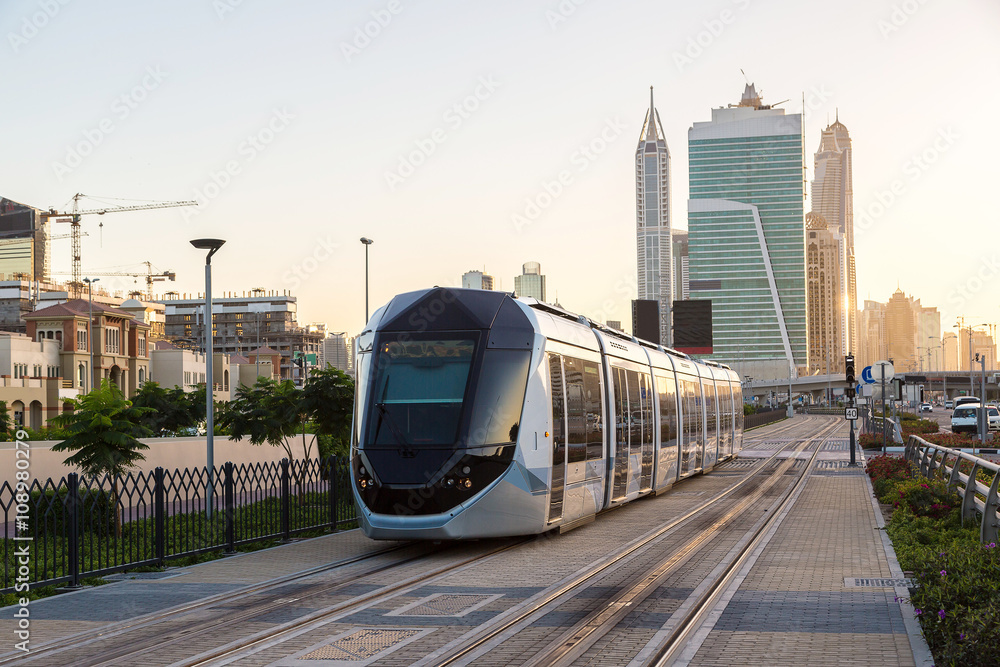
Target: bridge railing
764 417
878 425
977 498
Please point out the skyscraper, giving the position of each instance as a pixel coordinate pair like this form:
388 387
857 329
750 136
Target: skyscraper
746 234
531 282
901 332
679 250
478 280
833 198
825 271
652 217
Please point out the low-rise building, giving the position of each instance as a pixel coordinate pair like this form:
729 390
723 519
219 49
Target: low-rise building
31 383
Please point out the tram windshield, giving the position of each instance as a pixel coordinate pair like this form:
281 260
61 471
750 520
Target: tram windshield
418 391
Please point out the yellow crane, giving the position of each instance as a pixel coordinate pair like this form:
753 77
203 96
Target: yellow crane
148 275
74 221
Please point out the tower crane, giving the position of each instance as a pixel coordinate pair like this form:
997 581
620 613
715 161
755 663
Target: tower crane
149 276
74 221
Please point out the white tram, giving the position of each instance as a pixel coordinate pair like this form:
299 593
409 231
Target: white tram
481 415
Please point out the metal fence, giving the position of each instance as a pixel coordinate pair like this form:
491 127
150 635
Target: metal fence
77 527
977 498
764 418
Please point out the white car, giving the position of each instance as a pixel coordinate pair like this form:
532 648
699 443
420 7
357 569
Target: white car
965 418
926 407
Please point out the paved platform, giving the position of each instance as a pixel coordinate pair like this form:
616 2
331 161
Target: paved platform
818 591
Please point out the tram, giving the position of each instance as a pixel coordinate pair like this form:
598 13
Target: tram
478 414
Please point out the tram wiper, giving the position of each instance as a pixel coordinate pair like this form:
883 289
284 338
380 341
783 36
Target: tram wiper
393 428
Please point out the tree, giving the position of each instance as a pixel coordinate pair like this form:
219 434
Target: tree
104 430
172 409
268 412
6 421
328 400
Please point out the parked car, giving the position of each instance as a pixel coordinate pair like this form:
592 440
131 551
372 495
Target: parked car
949 405
926 407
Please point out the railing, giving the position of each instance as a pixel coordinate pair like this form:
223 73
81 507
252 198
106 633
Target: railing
816 410
977 497
79 527
764 418
891 428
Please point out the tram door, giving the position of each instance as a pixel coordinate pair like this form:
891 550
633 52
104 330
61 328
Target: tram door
557 488
621 433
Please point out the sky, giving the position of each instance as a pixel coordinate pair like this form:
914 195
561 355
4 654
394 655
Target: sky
473 135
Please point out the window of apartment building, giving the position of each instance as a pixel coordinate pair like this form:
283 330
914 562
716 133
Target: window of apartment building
187 377
81 338
81 373
201 378
142 346
187 318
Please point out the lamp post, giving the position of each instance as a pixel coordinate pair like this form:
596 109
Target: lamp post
90 326
367 243
212 246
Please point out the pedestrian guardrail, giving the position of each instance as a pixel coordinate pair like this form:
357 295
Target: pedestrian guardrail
78 527
893 431
977 498
812 410
764 418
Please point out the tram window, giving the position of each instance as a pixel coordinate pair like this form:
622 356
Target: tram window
646 398
558 407
621 431
499 398
419 390
575 410
668 411
592 402
710 406
634 412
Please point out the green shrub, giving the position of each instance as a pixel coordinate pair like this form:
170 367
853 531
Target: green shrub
48 511
919 497
886 471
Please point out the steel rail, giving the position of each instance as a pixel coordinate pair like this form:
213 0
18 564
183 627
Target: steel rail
697 612
568 588
106 632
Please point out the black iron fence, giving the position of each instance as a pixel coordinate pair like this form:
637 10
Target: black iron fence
764 417
60 532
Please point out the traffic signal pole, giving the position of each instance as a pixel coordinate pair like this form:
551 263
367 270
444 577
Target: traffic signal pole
849 375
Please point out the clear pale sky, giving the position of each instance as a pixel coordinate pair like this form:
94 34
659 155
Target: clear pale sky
297 132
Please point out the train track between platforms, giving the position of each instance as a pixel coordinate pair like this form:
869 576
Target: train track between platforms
656 556
152 633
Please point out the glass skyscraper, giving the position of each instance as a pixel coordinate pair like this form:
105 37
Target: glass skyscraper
652 218
746 235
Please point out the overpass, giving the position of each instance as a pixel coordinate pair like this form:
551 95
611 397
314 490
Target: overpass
814 386
946 383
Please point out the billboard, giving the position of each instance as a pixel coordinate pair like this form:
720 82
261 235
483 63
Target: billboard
693 326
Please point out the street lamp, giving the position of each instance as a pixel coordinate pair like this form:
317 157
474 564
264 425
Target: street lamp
212 246
90 325
367 243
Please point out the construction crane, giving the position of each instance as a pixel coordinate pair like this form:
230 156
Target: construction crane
149 276
74 221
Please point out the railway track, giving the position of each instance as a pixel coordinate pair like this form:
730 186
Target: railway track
201 624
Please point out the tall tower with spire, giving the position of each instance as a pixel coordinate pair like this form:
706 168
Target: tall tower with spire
652 218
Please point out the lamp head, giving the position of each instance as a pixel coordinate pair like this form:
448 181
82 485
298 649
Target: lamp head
211 245
366 241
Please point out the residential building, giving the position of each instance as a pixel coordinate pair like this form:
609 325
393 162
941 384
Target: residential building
652 218
243 323
927 335
171 366
680 262
901 331
825 281
873 335
531 282
31 382
338 351
949 352
746 235
614 324
833 198
479 280
120 343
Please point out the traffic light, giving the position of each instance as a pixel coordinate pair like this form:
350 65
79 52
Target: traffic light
849 370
